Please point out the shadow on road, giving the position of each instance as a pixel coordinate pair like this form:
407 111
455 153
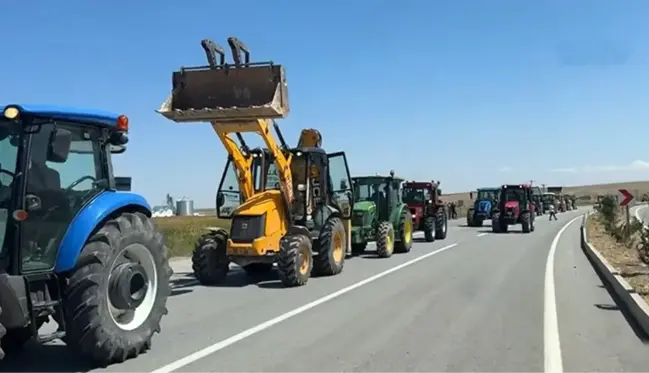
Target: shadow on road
185 283
45 358
508 232
642 336
607 307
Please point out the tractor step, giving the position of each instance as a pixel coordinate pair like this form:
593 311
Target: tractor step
41 306
50 337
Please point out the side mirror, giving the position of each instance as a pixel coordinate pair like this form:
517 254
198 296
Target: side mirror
343 185
439 192
471 195
220 200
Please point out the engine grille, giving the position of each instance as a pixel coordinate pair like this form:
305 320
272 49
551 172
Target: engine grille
357 219
246 228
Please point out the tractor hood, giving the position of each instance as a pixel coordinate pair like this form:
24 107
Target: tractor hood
511 204
484 205
364 206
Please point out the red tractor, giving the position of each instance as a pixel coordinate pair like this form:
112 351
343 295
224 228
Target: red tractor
429 214
516 206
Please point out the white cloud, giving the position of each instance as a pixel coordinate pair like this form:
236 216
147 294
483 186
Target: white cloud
505 169
637 165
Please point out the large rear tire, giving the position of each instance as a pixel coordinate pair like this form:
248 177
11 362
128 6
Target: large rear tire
429 228
96 328
295 260
405 233
441 224
331 248
469 218
210 260
385 239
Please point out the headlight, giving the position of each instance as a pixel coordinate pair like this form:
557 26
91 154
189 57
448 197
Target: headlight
11 112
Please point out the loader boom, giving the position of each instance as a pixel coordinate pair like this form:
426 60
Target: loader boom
243 162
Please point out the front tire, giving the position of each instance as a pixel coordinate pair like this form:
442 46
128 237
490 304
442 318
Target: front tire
295 260
331 247
441 224
495 223
210 260
429 229
385 239
525 222
93 327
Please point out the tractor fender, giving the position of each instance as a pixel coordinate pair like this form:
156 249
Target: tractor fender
89 218
395 216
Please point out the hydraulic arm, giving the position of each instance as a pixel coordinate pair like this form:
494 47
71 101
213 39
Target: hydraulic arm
237 98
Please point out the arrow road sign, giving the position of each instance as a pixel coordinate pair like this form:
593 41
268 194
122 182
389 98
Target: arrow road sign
628 197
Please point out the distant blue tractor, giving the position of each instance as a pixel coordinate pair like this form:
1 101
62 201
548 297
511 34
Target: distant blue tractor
77 246
483 206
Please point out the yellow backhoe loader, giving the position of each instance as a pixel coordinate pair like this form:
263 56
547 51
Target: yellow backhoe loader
289 206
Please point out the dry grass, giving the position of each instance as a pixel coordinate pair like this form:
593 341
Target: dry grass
624 259
585 193
181 232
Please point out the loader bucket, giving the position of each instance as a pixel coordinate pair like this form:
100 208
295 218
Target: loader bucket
227 93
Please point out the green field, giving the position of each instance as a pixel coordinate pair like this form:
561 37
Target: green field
181 232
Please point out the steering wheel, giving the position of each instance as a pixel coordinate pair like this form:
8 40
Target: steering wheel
79 181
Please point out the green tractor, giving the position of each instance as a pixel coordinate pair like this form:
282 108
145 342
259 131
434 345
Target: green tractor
380 215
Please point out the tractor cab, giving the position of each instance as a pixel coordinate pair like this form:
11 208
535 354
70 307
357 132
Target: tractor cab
421 198
549 199
380 215
483 206
376 192
429 214
515 206
60 207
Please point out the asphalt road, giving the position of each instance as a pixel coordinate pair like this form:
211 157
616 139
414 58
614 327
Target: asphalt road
476 301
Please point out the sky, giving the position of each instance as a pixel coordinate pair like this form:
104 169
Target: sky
469 92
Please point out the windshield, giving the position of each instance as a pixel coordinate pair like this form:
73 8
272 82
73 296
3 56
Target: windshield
8 157
487 194
369 190
416 195
548 198
514 194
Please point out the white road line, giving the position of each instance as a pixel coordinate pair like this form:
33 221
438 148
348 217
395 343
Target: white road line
481 234
637 212
265 325
551 341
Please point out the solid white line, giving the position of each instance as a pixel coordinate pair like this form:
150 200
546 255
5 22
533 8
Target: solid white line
551 342
637 213
481 234
265 325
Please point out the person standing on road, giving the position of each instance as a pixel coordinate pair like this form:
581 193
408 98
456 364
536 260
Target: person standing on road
553 213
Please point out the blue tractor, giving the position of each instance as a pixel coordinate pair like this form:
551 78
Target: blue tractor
77 246
486 200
